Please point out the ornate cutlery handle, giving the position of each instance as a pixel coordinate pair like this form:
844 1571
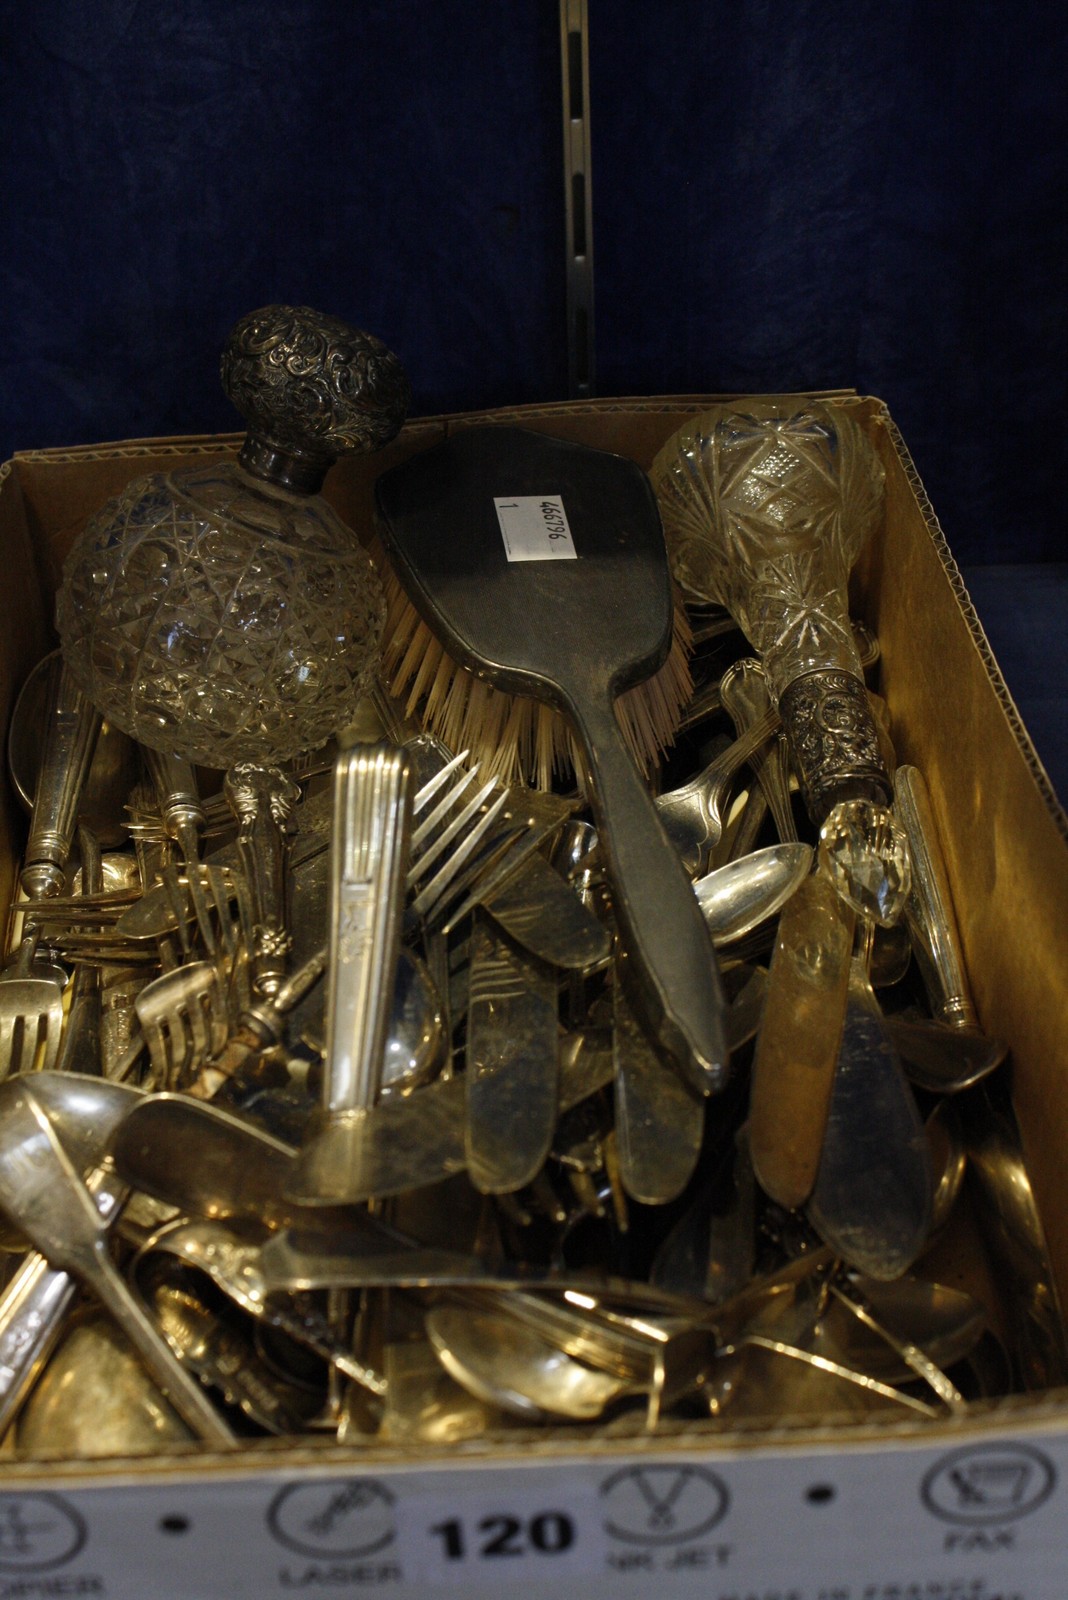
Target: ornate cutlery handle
261 799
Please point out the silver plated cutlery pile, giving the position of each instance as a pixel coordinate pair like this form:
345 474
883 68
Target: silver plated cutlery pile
349 1125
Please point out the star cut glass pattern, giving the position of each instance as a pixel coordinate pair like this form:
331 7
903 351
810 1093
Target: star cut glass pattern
220 617
766 505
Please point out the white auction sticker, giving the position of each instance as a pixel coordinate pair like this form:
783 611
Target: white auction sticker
534 527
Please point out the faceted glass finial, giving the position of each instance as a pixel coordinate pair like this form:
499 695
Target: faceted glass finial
865 851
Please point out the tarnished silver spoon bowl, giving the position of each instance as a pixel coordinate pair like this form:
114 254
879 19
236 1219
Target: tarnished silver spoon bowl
517 1368
738 897
944 1059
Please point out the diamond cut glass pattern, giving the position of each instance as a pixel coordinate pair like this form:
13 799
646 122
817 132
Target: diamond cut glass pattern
220 617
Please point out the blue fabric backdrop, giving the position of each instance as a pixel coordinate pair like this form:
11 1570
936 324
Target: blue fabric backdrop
852 192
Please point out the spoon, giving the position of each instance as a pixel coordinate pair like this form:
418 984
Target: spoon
85 1111
891 955
537 1359
881 1333
36 1301
424 1405
415 1037
1014 1233
508 1365
44 1195
738 897
875 1323
949 1160
943 1059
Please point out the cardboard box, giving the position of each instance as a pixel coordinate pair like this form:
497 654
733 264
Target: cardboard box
1006 844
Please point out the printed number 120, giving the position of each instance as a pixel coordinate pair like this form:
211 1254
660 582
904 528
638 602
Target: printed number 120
548 1533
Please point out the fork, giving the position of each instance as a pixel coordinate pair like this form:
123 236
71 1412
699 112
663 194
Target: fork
31 1013
450 836
184 1021
495 847
185 1015
488 845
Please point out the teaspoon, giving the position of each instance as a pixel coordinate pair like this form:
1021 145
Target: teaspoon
536 1360
738 897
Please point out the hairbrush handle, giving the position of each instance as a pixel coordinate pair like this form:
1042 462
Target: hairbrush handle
668 960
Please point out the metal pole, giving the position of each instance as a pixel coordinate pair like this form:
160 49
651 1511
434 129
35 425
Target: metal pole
574 61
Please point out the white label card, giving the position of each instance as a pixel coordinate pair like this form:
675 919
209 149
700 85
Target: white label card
534 527
972 1515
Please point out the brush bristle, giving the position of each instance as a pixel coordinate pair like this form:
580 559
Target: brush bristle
515 738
